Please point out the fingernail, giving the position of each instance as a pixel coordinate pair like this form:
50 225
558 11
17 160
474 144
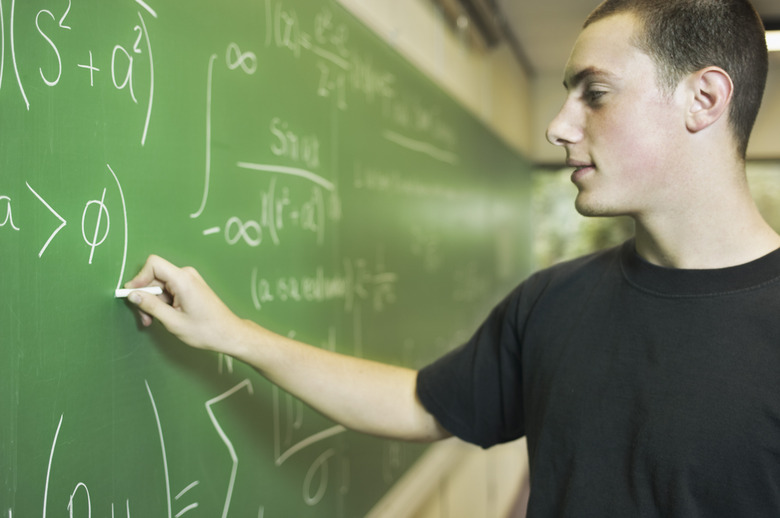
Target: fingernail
135 298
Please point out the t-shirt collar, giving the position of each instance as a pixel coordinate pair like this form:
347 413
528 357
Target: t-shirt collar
697 283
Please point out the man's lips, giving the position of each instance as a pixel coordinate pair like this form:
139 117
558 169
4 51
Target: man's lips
580 169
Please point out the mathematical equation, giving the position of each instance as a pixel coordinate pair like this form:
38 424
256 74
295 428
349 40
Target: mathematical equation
289 169
343 71
358 280
119 61
328 472
340 69
279 212
95 218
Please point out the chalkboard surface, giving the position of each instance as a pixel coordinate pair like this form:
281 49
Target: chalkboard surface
322 185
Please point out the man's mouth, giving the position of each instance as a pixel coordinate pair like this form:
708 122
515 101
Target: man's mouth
580 169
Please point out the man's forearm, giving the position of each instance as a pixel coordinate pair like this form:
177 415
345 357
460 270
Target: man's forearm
363 395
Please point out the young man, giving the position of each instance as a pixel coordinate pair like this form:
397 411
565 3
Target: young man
646 377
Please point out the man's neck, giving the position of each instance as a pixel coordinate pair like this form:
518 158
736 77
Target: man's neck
706 236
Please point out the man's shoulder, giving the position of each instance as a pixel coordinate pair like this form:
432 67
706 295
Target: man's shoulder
594 263
566 281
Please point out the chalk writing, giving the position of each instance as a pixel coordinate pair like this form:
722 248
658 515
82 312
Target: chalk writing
127 509
51 43
101 209
9 217
79 486
2 57
420 126
49 26
341 70
370 81
162 448
280 211
357 280
287 121
289 171
183 492
421 147
375 178
150 102
207 178
425 244
124 213
13 56
392 461
95 221
91 68
233 456
319 465
63 222
48 469
235 58
146 7
288 144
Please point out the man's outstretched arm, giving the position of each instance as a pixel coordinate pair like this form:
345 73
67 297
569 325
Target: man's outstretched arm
360 394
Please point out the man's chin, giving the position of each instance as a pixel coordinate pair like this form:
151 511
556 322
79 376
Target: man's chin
592 209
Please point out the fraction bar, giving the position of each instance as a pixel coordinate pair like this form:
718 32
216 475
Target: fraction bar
292 171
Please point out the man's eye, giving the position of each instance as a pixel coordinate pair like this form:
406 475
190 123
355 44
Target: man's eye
593 96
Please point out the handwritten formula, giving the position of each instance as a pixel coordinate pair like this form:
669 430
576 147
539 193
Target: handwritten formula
321 184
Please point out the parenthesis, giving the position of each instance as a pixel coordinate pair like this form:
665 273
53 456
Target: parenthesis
268 23
350 282
124 213
255 298
272 211
13 57
345 476
48 470
151 81
321 213
2 52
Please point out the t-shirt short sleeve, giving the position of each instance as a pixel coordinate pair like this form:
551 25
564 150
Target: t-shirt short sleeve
475 391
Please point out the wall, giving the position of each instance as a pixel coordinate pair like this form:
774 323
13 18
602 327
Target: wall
765 141
491 84
456 480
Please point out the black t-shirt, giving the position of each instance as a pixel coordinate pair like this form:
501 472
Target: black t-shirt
643 391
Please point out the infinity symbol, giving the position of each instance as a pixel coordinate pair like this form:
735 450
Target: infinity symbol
246 60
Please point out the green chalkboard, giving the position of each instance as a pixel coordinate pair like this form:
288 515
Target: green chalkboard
321 184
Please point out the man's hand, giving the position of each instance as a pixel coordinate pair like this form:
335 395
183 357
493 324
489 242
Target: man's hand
188 308
363 395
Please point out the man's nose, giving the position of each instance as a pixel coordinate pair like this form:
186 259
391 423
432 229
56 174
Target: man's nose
565 128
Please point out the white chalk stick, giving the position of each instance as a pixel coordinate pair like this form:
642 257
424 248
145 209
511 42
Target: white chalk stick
122 293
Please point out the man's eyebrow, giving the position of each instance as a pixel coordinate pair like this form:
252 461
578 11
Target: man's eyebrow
572 81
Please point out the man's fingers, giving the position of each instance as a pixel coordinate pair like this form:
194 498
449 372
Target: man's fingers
156 271
146 318
153 307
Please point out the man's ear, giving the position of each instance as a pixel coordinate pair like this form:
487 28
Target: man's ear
710 91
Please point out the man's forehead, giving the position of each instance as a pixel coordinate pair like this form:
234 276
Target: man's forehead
601 50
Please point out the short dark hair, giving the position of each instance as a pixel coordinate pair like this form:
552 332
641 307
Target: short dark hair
683 36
